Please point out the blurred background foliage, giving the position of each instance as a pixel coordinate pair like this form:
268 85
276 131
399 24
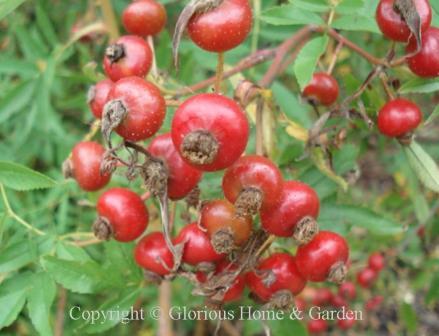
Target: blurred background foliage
44 77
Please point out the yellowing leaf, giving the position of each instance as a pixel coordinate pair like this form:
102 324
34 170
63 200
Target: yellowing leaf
296 131
319 159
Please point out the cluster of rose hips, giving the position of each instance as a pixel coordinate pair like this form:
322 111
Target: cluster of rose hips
326 298
209 132
399 117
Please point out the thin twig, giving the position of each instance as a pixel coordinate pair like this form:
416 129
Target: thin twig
334 58
60 311
219 72
250 61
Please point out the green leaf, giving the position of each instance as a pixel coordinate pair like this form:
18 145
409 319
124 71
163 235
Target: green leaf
122 304
18 177
306 61
356 23
420 85
10 306
312 5
120 260
80 277
70 252
288 326
408 316
16 99
8 6
23 252
423 165
290 105
433 292
45 25
290 15
432 116
40 300
321 162
334 215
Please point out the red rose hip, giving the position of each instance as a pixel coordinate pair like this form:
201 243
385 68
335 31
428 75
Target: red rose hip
210 131
129 56
97 96
376 261
144 17
122 215
235 289
317 326
393 26
277 278
222 28
253 183
182 178
85 164
426 62
225 229
197 246
152 254
346 323
399 117
323 258
295 213
366 277
323 89
135 109
347 290
322 297
373 303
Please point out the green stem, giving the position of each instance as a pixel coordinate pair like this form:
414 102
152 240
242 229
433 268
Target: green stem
76 235
11 214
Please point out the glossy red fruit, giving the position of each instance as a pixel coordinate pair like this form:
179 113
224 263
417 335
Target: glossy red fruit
338 301
222 28
144 17
182 177
253 178
347 290
317 326
152 254
322 297
125 212
142 106
86 162
323 89
376 261
426 62
298 202
346 323
393 26
97 96
236 289
225 229
373 303
399 117
276 273
323 258
210 131
366 277
197 248
129 56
